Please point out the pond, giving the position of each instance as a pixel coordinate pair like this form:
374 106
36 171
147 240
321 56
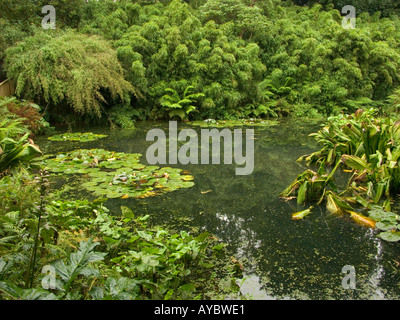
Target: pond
283 259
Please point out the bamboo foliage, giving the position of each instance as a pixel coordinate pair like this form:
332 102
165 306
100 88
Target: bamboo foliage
175 50
227 49
67 67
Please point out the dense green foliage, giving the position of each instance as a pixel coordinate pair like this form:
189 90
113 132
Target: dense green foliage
19 120
96 255
22 117
386 7
69 67
248 58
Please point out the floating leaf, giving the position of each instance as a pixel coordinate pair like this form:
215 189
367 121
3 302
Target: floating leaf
187 178
384 226
362 220
118 175
233 123
77 136
301 214
390 236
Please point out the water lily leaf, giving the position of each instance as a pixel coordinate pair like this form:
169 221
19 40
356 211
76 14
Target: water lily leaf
100 192
384 216
187 178
390 236
113 195
117 174
77 136
233 123
384 226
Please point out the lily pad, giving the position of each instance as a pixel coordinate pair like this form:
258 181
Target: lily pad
117 174
233 123
390 236
77 136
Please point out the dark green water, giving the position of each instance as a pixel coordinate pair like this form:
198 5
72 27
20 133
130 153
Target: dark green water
283 259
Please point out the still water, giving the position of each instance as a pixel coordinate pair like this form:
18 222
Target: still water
283 259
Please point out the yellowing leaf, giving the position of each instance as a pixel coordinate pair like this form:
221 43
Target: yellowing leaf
362 220
301 214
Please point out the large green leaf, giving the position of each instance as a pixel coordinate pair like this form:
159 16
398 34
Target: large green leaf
354 162
78 263
14 152
302 194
